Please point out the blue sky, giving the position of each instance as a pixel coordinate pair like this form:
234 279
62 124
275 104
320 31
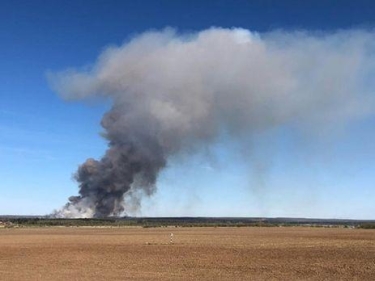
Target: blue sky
44 138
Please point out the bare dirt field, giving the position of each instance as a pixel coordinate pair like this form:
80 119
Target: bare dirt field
248 253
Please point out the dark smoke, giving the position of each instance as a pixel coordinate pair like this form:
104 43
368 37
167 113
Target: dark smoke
130 160
172 92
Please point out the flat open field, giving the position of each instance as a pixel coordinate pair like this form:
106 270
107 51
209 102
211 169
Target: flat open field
248 253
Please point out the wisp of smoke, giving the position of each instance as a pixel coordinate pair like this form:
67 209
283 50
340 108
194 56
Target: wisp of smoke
170 92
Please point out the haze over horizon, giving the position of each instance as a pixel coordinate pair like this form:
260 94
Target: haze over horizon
249 109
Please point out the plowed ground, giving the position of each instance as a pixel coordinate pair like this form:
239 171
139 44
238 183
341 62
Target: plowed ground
290 253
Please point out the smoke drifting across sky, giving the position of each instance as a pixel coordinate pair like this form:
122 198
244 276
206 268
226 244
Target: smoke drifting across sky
171 92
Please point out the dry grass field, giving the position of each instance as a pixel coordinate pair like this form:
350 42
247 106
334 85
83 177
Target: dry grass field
248 253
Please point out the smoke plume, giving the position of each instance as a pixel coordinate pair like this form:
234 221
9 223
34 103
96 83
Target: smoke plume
171 92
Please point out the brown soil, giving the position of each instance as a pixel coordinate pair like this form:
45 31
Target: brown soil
291 253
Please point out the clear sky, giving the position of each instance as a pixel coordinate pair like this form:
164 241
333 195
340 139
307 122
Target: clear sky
43 138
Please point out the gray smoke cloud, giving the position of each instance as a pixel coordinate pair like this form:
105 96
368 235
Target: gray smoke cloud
171 92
